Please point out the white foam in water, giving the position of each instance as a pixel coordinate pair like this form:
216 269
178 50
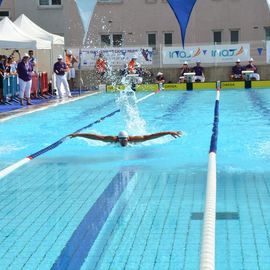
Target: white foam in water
127 103
10 148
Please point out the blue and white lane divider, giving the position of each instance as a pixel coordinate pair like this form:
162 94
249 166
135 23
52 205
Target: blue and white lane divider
25 160
207 256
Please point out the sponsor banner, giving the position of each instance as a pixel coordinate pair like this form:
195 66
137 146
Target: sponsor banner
267 51
116 56
232 85
206 54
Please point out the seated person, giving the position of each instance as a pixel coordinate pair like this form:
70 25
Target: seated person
184 69
237 71
160 78
252 67
199 72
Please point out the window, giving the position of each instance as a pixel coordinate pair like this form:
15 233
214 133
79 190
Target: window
50 2
217 37
4 14
115 40
234 36
267 33
152 40
168 39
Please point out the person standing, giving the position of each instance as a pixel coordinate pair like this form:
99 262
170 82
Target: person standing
25 70
60 68
32 59
70 61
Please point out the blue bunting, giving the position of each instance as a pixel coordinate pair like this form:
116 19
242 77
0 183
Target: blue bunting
182 10
85 8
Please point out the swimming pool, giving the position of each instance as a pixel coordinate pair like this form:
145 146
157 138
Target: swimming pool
89 205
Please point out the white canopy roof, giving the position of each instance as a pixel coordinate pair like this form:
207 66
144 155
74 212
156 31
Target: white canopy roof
23 22
12 37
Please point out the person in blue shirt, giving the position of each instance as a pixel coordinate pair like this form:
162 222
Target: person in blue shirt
237 71
60 68
25 70
199 72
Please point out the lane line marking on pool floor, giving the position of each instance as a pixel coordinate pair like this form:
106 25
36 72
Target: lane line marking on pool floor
84 236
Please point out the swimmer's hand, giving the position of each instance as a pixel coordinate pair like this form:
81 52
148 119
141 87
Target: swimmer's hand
176 134
73 135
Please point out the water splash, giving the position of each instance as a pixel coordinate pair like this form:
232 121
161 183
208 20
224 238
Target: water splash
127 103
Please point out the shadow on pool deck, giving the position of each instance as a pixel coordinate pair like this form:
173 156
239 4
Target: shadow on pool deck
7 110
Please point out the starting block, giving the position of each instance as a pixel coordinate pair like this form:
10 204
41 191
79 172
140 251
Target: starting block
246 74
189 76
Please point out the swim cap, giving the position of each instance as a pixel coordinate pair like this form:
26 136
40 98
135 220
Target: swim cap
123 134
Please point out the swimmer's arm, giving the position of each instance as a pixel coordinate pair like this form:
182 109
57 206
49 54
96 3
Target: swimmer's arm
94 137
143 138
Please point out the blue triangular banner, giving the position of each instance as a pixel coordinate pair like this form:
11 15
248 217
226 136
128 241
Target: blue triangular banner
85 8
182 10
1 2
260 51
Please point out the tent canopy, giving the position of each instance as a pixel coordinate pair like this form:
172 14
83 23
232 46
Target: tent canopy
13 37
23 22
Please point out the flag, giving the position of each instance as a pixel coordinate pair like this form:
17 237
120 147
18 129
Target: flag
1 2
85 8
182 10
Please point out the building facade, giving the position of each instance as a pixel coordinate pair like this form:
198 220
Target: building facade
124 23
147 22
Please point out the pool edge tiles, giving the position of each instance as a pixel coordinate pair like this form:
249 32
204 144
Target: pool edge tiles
83 238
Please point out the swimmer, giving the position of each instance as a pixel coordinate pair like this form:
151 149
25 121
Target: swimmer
123 138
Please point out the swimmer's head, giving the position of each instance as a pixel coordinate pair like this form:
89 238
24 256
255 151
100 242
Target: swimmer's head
123 137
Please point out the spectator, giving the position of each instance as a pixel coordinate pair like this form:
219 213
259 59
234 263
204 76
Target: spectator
60 68
160 78
11 66
199 72
133 66
101 67
32 59
252 67
237 71
183 69
25 70
70 61
2 74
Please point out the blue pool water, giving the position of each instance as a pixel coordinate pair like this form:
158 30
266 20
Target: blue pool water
90 205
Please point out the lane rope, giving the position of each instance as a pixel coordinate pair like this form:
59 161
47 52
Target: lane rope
207 255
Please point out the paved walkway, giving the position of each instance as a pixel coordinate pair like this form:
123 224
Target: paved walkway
8 111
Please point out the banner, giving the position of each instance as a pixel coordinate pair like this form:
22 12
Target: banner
268 51
206 54
116 56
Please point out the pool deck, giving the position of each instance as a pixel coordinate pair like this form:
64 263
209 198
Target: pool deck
15 109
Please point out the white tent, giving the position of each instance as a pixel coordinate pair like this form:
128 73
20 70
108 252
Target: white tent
24 23
13 37
45 61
